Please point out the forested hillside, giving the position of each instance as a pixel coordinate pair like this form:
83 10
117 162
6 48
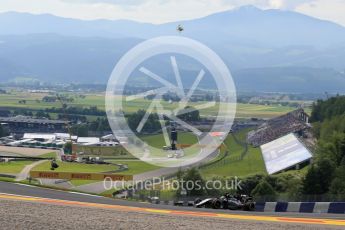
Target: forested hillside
327 174
328 109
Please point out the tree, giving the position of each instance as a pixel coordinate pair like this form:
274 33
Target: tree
332 107
294 188
192 181
3 131
338 184
42 114
152 124
192 114
249 183
325 173
81 130
311 183
68 147
263 191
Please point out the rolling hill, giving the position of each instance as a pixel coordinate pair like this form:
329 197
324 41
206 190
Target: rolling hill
257 45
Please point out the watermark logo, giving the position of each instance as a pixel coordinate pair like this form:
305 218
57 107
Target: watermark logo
173 184
174 152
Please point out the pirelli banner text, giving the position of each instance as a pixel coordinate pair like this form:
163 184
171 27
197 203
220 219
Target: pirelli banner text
79 176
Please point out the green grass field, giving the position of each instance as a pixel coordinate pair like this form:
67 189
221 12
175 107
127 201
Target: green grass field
157 141
251 164
49 155
105 151
135 167
7 179
33 101
13 167
76 167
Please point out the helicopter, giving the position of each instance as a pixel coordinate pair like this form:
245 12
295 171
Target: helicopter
180 28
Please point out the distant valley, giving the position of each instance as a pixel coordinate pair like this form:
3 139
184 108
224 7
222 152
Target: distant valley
255 44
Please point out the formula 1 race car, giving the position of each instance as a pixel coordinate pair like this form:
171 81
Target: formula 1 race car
232 202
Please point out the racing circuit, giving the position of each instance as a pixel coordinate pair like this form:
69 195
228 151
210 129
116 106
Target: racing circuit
24 201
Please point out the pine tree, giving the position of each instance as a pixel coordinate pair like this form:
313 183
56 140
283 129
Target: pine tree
264 190
311 182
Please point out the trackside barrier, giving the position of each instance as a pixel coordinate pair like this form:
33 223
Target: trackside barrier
305 207
302 207
79 176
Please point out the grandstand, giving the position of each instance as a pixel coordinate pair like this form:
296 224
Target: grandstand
294 122
24 124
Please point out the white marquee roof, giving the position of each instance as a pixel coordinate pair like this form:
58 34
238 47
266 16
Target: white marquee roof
284 153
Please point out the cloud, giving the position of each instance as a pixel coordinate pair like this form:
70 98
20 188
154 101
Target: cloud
289 4
114 2
268 4
281 4
161 11
332 10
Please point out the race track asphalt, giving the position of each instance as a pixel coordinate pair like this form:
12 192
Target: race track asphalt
28 190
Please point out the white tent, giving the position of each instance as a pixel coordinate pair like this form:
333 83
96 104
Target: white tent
35 136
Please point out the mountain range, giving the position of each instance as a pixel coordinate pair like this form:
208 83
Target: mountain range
266 50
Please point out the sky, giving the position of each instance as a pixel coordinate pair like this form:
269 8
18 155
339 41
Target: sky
162 11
